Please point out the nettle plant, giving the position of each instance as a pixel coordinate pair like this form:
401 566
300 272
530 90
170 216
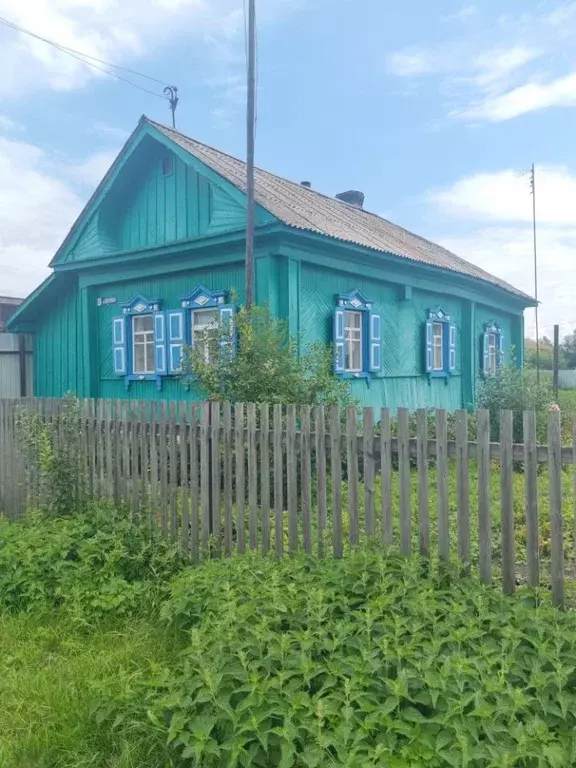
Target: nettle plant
52 449
361 662
263 365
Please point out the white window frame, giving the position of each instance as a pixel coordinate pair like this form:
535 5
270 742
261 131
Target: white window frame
349 342
148 341
435 336
493 352
203 311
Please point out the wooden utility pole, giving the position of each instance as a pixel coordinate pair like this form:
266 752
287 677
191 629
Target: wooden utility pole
533 189
555 361
250 131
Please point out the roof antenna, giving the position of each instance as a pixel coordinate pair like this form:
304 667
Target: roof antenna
171 93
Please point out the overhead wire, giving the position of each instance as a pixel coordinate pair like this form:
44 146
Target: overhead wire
88 60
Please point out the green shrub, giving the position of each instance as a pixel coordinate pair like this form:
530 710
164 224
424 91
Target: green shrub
93 564
53 451
515 389
267 367
362 662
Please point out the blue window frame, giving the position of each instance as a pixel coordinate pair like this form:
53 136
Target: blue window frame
357 337
209 321
492 349
440 340
148 343
138 341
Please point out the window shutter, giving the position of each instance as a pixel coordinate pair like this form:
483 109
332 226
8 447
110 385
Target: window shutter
485 355
119 345
228 332
175 320
452 349
338 338
160 342
428 349
375 342
500 360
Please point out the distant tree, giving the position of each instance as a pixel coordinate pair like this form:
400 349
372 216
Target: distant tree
546 353
568 350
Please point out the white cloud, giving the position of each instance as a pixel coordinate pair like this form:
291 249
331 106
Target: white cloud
92 170
104 130
496 73
498 210
38 204
7 125
412 61
505 196
113 30
508 252
463 15
529 97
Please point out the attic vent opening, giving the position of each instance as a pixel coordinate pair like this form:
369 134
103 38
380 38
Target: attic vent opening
167 166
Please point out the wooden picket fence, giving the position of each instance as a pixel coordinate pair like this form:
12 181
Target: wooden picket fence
221 478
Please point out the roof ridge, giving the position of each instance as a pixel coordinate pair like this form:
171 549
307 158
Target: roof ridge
327 215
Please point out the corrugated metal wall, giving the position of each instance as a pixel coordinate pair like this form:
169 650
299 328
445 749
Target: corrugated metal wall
10 375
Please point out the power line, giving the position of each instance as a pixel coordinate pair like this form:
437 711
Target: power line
89 60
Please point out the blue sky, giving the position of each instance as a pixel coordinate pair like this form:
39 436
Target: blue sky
434 110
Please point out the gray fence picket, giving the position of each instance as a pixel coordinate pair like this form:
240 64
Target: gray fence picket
404 482
442 483
240 477
463 488
484 513
320 454
386 476
252 474
352 465
336 472
306 477
507 503
291 479
556 519
265 475
531 490
423 497
278 481
369 471
228 477
216 476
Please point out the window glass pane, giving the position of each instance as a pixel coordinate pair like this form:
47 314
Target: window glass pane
143 323
437 342
353 342
205 332
492 353
143 344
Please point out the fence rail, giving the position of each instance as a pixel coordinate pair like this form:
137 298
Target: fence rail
222 478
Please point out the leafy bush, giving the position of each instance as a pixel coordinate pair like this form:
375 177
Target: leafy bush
267 367
362 662
93 564
54 457
518 390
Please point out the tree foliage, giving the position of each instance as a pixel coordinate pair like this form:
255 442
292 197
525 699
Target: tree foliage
267 366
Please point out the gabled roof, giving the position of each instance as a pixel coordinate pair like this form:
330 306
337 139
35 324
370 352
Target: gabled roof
305 209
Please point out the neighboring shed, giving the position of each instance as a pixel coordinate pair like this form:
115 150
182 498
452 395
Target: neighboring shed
156 260
8 305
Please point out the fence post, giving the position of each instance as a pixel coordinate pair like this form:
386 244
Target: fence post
423 497
442 482
463 488
556 520
336 472
368 460
352 461
507 503
484 514
386 477
404 479
291 478
320 432
531 488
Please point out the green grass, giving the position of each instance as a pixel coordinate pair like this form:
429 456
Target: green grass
54 679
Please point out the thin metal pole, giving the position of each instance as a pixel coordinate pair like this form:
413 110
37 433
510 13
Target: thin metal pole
250 122
533 185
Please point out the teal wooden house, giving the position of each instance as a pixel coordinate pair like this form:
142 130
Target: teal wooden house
156 261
